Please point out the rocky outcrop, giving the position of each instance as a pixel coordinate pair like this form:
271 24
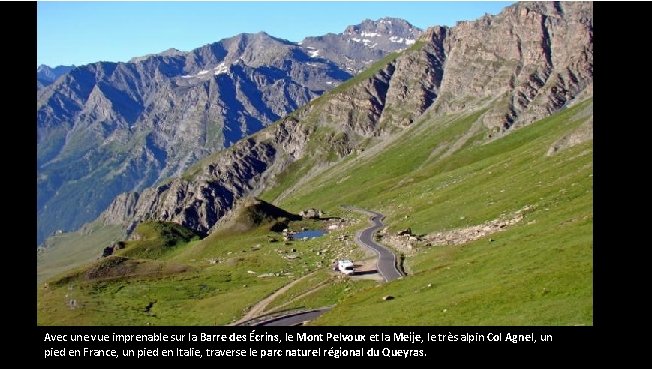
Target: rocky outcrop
418 76
530 60
110 250
408 243
461 236
311 213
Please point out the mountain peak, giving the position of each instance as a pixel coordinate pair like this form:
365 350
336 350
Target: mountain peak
389 21
365 42
260 36
384 26
172 52
45 74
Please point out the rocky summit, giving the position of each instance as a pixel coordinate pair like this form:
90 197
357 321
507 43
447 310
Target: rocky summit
361 45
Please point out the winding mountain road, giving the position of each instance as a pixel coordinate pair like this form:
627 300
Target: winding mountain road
386 258
386 266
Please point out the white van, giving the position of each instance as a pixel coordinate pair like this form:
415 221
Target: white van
345 266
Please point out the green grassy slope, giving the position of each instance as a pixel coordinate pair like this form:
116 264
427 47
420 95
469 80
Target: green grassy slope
157 240
168 277
536 272
70 250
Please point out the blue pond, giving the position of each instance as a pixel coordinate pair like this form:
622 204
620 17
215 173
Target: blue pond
311 233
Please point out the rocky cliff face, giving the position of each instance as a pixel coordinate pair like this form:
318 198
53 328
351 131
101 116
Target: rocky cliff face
530 60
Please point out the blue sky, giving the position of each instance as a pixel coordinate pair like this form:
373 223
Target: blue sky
84 32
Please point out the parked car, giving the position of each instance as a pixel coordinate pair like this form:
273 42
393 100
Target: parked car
345 266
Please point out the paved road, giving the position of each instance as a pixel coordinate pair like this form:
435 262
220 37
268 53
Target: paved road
386 265
295 319
386 258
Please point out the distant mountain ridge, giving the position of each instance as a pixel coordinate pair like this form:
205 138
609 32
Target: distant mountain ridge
45 75
106 128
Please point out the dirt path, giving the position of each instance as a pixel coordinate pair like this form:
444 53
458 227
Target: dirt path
260 307
312 290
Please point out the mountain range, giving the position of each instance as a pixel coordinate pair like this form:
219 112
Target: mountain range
116 127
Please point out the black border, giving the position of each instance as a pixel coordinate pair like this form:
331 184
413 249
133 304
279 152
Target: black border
620 71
